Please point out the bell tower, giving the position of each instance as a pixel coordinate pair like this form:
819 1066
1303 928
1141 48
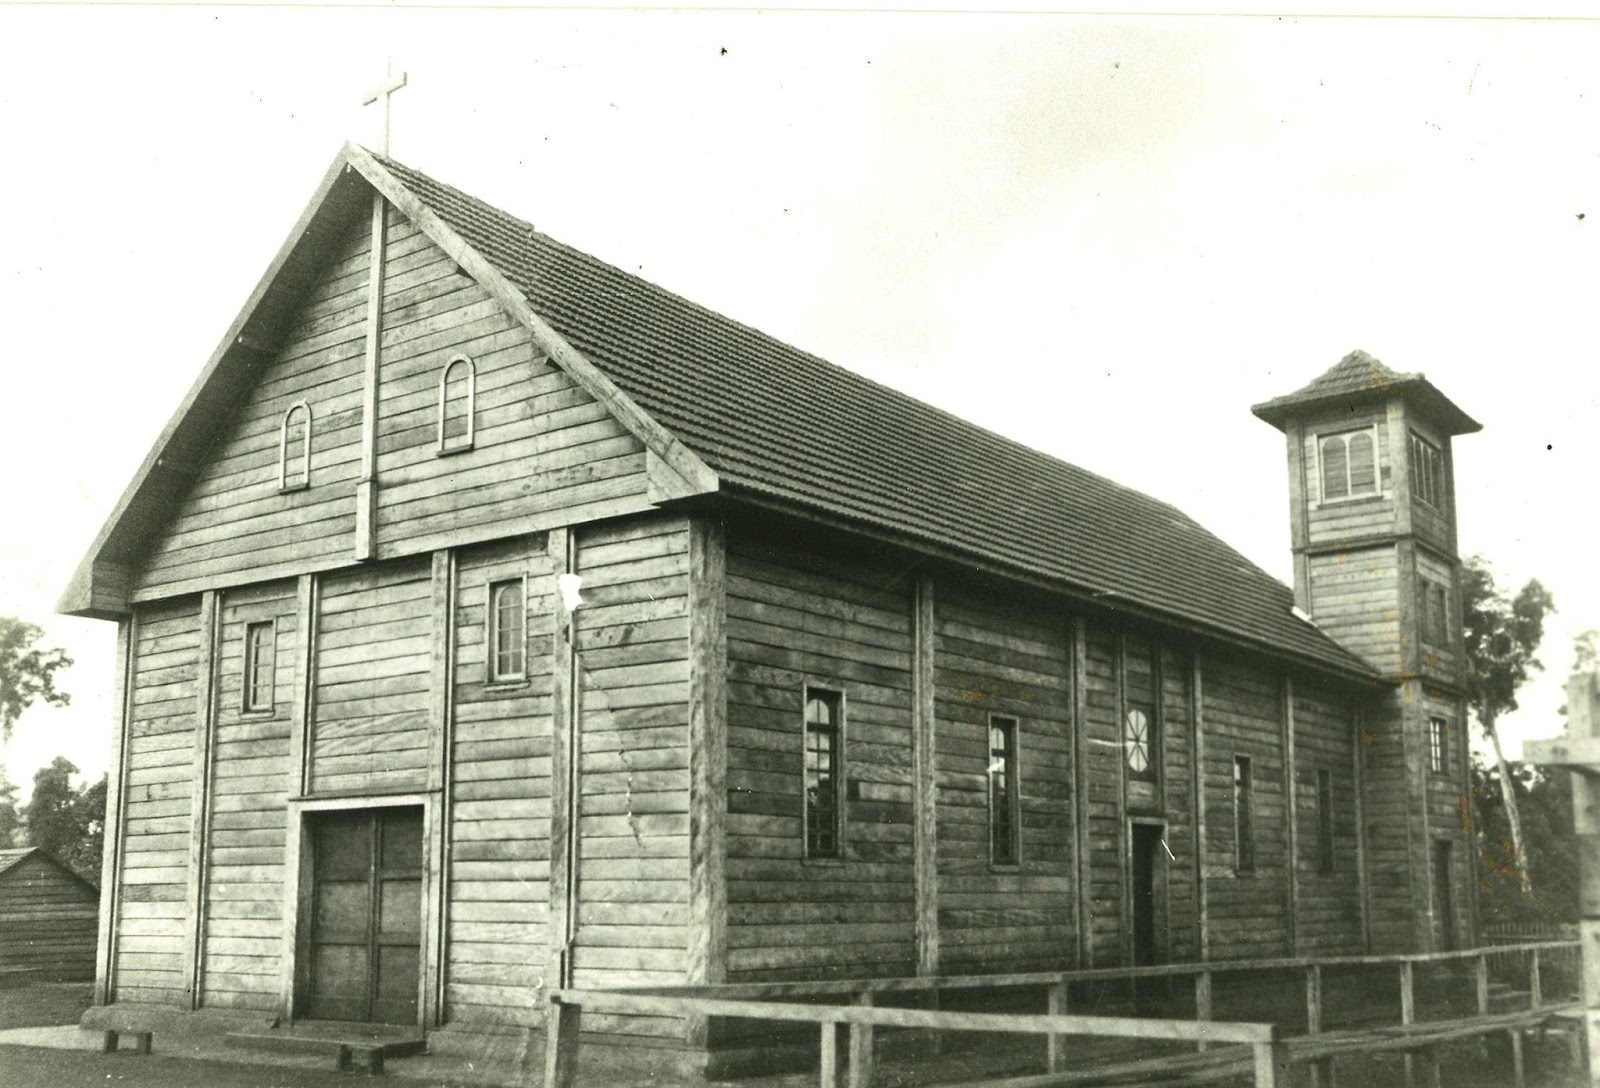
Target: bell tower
1373 528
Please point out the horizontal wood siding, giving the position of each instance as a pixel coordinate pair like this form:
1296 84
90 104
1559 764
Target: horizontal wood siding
1438 662
1177 781
1329 921
545 453
1103 782
48 919
843 623
250 780
1386 811
500 791
1244 717
1448 801
234 524
1353 597
632 691
995 655
160 772
374 650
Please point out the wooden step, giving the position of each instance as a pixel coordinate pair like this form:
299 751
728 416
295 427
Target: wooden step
351 1046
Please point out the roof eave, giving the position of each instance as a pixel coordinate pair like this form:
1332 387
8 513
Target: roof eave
1441 408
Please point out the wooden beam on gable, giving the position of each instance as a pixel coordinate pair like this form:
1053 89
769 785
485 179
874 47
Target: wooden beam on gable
696 477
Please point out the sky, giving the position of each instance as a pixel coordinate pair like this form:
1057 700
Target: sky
1105 236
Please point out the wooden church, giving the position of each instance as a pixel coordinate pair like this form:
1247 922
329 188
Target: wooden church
491 620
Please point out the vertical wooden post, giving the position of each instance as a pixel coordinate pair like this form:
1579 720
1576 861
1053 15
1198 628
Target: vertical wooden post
1291 795
1321 1068
302 717
1271 1065
1058 1000
1197 714
1202 999
563 1025
116 813
708 762
861 1048
563 758
1519 1071
924 784
1119 682
827 1064
1535 983
1408 1013
441 764
1080 787
1363 883
1481 972
367 486
205 723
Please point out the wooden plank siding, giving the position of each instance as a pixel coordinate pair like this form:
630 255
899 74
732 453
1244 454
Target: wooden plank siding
234 524
631 668
500 789
151 910
1337 521
1353 599
994 656
1447 802
1438 662
373 652
1385 808
242 959
48 919
1178 805
1329 920
1102 784
1243 715
796 618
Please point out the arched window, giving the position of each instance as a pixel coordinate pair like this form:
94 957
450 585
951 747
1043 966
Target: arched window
294 448
1349 465
458 394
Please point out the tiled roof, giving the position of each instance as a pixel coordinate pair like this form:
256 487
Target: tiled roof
1359 378
787 426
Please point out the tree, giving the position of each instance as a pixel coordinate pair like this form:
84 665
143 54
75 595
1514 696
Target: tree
27 673
67 822
10 819
1503 634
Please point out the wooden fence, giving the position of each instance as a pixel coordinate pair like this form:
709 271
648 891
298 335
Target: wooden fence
1523 964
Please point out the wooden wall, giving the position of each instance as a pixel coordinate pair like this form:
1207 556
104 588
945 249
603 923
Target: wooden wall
1102 728
1329 920
1386 810
151 906
1353 597
796 618
499 869
992 656
250 779
1341 520
47 920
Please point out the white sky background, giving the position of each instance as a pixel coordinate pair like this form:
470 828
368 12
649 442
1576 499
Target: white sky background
1103 236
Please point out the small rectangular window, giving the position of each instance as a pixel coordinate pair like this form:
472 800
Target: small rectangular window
1244 831
1427 472
1004 829
508 643
1435 614
823 771
1439 745
1324 821
258 655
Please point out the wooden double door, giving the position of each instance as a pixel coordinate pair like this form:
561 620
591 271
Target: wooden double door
365 944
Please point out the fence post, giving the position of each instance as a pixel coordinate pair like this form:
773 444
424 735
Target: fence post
1056 1045
1321 1068
861 1048
1535 984
1483 985
563 1022
1202 999
1408 1013
1271 1064
828 1066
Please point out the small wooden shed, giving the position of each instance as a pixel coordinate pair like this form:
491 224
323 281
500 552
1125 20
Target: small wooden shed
48 917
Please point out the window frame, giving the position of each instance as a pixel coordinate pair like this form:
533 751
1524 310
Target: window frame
1439 745
1152 743
492 673
285 482
1244 830
1426 462
1326 856
1371 431
1012 816
836 696
248 688
461 444
1430 590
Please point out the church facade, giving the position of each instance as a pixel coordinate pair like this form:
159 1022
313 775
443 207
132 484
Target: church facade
490 620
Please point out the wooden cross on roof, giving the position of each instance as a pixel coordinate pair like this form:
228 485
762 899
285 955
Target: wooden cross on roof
385 90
